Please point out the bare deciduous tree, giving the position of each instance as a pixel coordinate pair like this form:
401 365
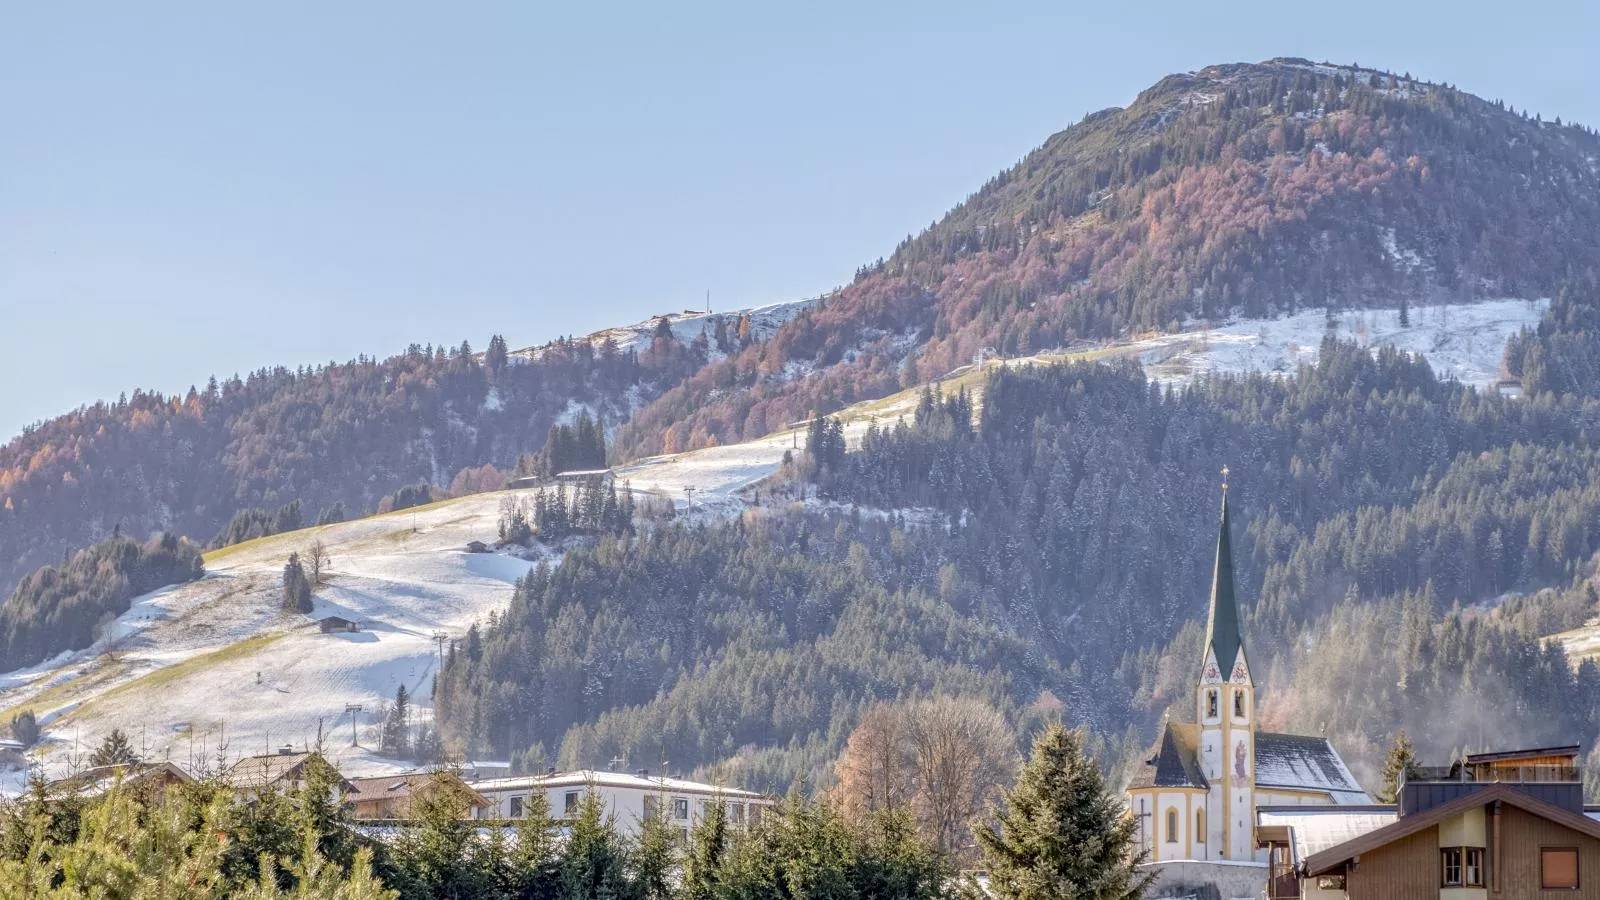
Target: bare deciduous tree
945 759
317 562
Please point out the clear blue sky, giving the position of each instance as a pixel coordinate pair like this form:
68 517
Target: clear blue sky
198 189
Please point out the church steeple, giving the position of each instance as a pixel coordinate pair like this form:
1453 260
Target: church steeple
1222 626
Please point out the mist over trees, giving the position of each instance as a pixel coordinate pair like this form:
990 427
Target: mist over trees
1403 544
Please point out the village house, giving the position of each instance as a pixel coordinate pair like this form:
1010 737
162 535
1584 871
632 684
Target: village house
1196 792
1490 826
630 799
284 771
391 796
156 777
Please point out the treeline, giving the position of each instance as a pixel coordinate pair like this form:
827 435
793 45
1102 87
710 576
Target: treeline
578 447
762 639
1059 544
338 436
66 607
205 839
1288 189
550 515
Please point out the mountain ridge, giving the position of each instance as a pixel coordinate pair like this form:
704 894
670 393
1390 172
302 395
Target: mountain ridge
1145 217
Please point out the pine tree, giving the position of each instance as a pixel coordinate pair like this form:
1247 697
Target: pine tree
296 587
114 750
1062 833
706 850
25 728
654 860
595 864
1401 763
396 739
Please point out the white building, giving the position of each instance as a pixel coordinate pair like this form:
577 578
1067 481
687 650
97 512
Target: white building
628 799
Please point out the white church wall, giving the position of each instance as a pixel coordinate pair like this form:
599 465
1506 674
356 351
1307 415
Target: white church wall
1170 848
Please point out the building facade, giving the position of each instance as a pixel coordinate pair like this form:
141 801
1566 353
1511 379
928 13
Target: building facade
1500 826
628 799
1196 793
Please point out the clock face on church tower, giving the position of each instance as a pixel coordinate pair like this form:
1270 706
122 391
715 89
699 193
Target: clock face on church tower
1239 673
1211 672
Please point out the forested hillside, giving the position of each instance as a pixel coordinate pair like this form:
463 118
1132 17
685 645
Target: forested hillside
334 439
1056 549
1248 189
1238 189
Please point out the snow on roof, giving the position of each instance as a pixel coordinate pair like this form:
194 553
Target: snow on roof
1313 829
1303 763
586 777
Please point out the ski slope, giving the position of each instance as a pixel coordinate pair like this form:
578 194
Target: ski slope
215 667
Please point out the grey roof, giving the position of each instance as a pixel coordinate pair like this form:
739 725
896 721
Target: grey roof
1313 829
1222 625
1172 761
258 771
1305 763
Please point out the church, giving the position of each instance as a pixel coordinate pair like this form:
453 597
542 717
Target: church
1196 791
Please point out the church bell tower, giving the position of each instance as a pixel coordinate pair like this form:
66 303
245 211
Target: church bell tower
1225 711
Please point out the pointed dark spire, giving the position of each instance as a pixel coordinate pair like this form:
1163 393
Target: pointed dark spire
1222 627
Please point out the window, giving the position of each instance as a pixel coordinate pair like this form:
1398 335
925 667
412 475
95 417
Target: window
736 813
652 806
1199 826
1474 873
1211 704
1461 866
1450 860
705 809
680 808
1558 868
1238 704
1172 826
516 807
569 805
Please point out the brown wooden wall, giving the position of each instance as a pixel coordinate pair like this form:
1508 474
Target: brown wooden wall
1407 869
1523 834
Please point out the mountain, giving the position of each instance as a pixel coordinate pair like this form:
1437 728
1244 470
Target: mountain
1280 239
1238 190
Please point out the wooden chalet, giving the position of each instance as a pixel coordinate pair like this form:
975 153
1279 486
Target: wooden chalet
156 777
391 796
284 771
336 625
1491 826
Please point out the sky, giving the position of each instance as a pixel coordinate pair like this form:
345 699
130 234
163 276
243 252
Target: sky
198 189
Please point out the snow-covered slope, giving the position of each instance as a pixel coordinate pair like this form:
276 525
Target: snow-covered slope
215 662
1462 341
688 325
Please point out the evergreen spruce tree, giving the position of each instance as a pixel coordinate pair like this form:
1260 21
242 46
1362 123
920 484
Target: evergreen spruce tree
396 736
114 750
706 849
495 357
536 866
1401 763
654 860
595 864
1061 832
296 586
25 728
